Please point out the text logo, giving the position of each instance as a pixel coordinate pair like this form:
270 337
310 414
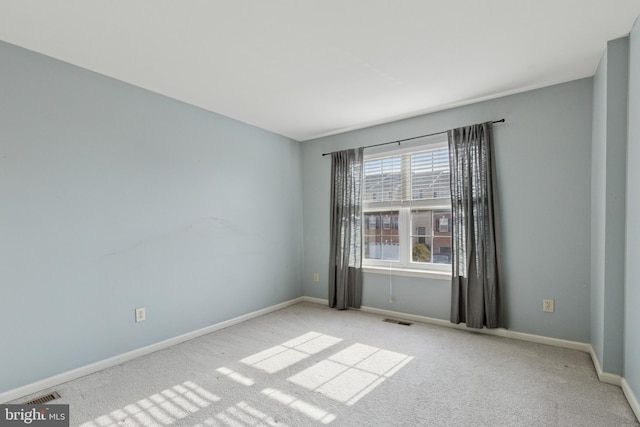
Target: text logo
34 415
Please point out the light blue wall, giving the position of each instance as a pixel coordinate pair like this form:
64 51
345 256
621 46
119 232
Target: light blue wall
632 267
598 204
543 154
112 198
608 176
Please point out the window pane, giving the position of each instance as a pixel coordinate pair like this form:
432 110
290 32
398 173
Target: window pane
371 222
442 237
391 248
442 223
421 224
382 180
390 223
421 249
431 236
372 247
442 250
381 240
430 175
421 235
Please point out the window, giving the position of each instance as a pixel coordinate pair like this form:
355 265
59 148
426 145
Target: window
407 208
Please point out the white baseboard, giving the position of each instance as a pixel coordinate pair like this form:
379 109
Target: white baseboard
320 301
573 345
121 358
82 371
631 398
500 332
605 377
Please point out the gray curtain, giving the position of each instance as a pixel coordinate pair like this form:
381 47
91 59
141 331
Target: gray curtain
477 281
345 256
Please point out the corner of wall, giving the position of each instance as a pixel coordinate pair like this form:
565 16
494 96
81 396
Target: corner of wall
608 187
631 398
631 381
605 377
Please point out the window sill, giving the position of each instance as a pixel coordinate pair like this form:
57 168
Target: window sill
431 274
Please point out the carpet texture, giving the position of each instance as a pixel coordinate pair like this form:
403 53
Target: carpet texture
308 365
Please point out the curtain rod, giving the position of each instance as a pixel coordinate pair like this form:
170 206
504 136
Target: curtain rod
409 139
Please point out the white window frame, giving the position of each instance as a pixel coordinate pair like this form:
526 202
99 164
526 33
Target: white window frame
405 266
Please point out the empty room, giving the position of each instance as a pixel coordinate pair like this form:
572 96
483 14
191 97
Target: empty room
319 213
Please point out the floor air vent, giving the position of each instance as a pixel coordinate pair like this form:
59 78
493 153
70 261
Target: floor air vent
398 322
43 399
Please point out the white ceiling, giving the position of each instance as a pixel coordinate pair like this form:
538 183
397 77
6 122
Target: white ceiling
310 68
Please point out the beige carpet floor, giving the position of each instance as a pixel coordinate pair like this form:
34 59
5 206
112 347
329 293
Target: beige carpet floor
308 365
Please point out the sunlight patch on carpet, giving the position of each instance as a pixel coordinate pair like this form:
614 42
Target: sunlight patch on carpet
235 376
352 373
305 408
282 356
165 407
242 414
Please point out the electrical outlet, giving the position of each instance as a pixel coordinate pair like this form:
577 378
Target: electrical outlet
316 277
547 305
141 314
